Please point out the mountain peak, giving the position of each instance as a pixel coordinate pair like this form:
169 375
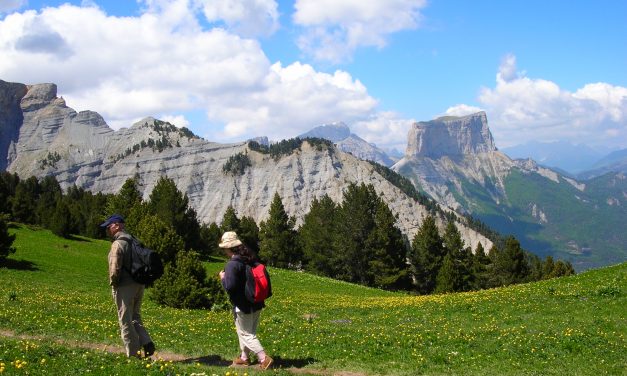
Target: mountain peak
450 135
333 132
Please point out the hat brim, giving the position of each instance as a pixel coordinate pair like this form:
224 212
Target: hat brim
106 224
230 243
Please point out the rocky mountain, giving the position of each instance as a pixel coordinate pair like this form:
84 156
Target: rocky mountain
455 161
46 137
340 134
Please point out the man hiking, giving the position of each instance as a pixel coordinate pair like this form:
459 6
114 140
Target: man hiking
127 294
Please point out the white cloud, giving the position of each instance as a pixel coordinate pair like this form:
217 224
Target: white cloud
294 99
462 110
177 120
164 62
521 109
7 6
333 30
385 129
249 18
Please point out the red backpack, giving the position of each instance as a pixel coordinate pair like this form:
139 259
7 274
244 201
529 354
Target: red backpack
258 286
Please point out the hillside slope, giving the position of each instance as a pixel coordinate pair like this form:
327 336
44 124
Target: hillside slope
313 324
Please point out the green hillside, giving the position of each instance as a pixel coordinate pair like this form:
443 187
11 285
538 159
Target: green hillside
55 296
583 227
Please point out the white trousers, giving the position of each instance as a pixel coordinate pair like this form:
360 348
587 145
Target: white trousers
128 299
246 326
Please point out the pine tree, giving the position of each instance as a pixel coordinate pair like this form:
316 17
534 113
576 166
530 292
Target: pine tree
316 235
452 240
210 236
480 264
510 265
155 234
24 201
125 199
448 278
462 257
8 184
172 206
6 239
355 222
547 267
278 241
47 203
426 255
387 268
230 221
249 233
61 219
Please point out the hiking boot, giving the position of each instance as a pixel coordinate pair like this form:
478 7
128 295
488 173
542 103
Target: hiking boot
149 349
239 362
267 362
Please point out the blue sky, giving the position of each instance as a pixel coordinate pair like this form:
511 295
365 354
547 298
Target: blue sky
234 69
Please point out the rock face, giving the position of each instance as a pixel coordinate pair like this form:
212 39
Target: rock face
455 161
450 136
340 134
10 117
79 148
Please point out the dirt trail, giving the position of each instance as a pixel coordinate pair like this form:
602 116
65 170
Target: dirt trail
211 360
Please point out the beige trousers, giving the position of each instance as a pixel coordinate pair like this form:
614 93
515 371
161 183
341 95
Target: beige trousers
246 326
128 299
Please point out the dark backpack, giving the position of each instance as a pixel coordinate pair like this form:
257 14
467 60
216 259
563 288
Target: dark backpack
146 265
258 287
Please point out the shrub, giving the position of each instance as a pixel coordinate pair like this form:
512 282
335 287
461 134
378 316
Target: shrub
184 284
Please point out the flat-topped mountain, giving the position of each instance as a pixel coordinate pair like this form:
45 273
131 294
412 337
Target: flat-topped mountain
450 136
455 161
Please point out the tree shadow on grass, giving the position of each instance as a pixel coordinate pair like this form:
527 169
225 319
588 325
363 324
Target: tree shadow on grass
19 265
291 363
216 360
209 360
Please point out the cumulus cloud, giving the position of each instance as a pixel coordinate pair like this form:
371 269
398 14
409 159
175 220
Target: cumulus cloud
165 62
521 109
7 6
294 99
333 30
386 129
248 18
177 120
462 110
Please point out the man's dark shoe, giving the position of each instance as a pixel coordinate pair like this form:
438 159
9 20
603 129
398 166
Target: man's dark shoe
149 349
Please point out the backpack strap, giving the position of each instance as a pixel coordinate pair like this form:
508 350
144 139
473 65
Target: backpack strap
129 242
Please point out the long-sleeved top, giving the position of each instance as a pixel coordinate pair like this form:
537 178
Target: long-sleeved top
234 282
119 261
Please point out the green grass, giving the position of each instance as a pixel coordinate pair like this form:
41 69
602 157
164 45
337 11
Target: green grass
55 292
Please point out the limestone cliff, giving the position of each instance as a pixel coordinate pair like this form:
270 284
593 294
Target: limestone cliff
79 148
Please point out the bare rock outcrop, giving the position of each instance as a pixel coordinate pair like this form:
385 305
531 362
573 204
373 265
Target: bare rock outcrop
80 149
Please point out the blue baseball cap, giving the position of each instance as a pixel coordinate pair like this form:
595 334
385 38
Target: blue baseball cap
115 218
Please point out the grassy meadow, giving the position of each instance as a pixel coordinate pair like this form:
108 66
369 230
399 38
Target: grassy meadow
57 318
